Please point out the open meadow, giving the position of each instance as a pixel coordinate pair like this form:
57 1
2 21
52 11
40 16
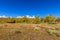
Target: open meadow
29 19
18 31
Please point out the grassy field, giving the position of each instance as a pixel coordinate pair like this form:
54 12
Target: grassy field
17 31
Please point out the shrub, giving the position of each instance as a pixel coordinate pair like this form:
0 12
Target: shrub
10 20
50 18
51 31
36 28
54 32
17 31
52 22
57 33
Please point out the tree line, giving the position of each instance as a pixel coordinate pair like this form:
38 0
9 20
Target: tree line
36 20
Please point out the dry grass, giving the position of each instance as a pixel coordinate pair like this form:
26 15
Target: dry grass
17 31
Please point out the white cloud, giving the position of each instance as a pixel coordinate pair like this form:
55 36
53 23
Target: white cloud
3 16
26 16
19 16
30 16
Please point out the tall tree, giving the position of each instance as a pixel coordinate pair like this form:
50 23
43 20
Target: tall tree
58 20
26 19
50 18
37 19
42 20
10 20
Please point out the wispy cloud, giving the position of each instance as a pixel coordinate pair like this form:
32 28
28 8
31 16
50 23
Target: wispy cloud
3 16
30 16
19 16
26 16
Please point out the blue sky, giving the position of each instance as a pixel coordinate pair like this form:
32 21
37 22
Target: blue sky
30 7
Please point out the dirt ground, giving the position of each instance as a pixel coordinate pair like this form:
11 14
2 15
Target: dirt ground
17 31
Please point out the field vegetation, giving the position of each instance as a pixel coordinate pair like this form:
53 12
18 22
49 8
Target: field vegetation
36 20
37 28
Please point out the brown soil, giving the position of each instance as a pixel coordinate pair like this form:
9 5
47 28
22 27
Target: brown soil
8 31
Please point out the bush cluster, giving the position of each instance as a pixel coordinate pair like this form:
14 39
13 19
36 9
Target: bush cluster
48 19
54 32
